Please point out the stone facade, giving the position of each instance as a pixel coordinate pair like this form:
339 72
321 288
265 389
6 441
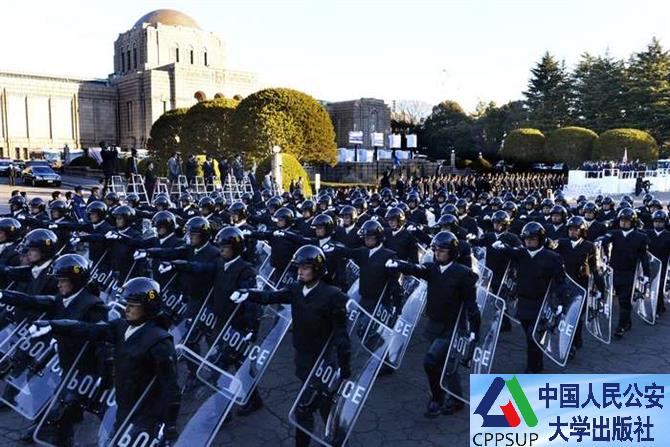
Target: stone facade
164 61
366 114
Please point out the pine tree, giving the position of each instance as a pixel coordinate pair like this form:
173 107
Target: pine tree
549 94
598 96
648 91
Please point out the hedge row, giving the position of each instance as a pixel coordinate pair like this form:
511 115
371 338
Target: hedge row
573 145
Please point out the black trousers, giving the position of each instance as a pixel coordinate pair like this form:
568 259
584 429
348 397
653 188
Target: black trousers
534 362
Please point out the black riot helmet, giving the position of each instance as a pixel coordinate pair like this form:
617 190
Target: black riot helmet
501 217
166 220
185 199
11 228
283 214
124 213
348 210
445 240
199 225
308 206
448 222
41 239
579 223
207 206
559 210
397 214
232 237
659 219
97 209
360 204
273 204
144 292
36 205
111 199
74 267
534 229
238 211
133 200
17 202
162 202
57 209
628 214
313 256
324 221
372 228
590 208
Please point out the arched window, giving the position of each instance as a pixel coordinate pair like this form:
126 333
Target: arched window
238 97
176 54
191 55
128 59
204 56
123 61
134 57
200 96
219 96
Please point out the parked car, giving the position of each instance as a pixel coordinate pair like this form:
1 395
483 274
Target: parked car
34 175
4 167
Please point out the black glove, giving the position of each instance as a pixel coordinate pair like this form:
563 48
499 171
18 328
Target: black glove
170 432
345 365
179 264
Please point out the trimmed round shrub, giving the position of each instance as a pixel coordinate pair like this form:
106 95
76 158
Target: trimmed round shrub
571 145
612 145
523 145
85 161
291 170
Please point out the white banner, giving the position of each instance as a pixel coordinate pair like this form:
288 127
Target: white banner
411 141
356 137
377 139
395 141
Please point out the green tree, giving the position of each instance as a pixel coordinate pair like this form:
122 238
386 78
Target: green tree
648 91
448 127
206 127
166 133
549 94
287 118
614 143
493 123
523 146
571 145
599 84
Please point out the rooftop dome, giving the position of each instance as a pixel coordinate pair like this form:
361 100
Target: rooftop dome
167 17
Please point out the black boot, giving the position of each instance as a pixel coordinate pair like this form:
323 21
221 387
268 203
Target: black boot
452 406
433 410
255 403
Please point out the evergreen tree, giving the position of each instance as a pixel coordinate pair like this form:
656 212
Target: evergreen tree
598 97
648 91
549 94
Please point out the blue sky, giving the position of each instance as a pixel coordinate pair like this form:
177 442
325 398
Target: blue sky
421 49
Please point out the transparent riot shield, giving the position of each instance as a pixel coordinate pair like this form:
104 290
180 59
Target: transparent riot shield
666 284
415 294
401 321
31 373
247 351
351 273
174 306
426 257
473 355
557 321
507 291
421 252
328 405
484 274
83 409
480 254
201 413
645 296
599 306
265 270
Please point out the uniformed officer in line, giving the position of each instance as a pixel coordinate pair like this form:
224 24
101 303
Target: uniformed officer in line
450 286
318 310
143 349
538 267
629 246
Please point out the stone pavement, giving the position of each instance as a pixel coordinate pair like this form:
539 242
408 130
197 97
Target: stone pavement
393 415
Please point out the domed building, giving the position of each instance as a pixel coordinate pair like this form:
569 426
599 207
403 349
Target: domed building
164 61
